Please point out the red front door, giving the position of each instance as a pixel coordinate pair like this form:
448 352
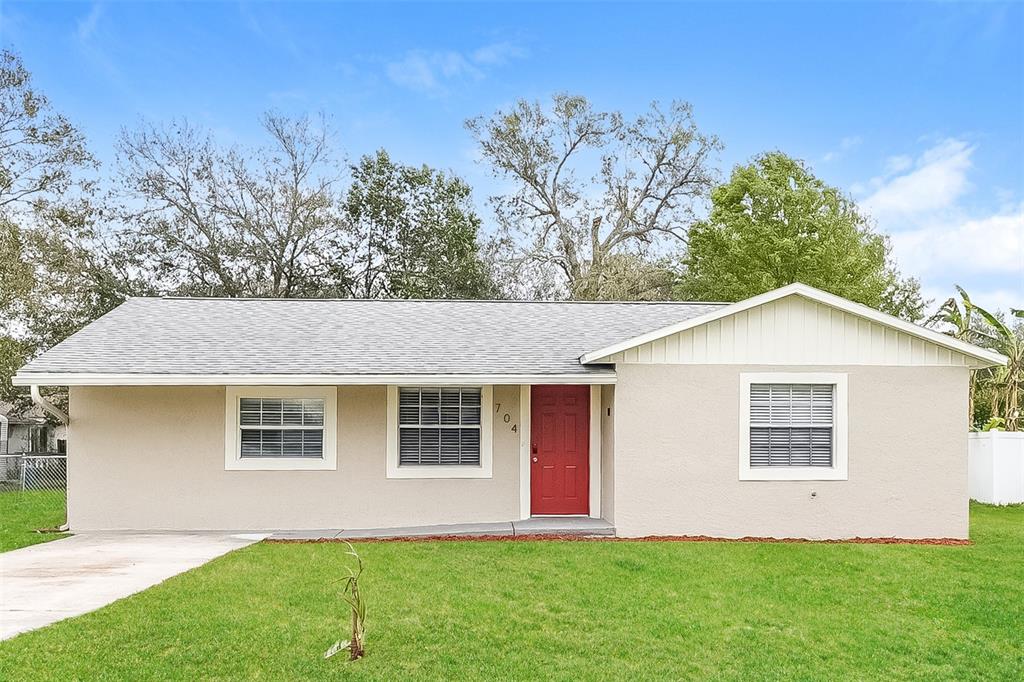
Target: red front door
560 450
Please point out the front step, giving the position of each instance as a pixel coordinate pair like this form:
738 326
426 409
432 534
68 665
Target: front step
563 525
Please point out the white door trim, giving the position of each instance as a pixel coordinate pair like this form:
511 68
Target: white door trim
524 450
595 452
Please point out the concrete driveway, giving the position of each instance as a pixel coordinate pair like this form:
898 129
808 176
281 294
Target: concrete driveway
45 583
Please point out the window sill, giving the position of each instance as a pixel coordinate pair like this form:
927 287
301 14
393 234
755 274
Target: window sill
280 464
794 474
438 472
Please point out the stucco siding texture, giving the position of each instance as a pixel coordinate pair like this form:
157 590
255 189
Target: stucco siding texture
676 457
608 453
153 458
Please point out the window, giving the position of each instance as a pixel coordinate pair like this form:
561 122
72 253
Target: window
793 426
38 438
439 426
439 432
281 427
277 427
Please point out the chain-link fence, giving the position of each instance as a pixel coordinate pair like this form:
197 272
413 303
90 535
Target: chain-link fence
29 471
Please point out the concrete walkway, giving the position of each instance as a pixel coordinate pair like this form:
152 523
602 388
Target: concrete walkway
545 525
45 583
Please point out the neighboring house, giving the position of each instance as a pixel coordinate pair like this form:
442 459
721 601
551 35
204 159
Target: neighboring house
28 433
791 414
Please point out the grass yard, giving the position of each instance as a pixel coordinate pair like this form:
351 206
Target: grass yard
22 513
568 610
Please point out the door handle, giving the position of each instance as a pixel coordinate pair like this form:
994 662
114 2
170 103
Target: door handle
534 459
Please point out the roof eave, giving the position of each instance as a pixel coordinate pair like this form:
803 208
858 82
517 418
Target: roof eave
593 376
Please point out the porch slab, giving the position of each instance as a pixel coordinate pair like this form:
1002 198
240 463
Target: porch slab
467 529
577 526
568 525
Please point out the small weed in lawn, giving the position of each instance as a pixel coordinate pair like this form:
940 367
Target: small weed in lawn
354 598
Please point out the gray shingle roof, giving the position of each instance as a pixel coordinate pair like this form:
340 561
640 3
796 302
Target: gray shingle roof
352 337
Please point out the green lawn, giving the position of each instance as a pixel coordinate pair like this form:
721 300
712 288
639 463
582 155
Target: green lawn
23 513
569 610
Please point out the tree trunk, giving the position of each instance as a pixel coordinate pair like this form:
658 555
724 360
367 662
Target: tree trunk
355 648
971 381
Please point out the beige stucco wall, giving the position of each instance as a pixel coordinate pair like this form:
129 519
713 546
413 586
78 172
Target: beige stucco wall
676 457
607 453
153 458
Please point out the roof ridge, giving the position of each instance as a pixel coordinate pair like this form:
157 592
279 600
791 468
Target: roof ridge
418 300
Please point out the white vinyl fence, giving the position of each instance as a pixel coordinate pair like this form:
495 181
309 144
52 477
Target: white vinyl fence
995 467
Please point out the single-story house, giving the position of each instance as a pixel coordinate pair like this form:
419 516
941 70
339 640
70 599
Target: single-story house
29 432
795 413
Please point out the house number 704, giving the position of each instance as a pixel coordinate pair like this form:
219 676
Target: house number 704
507 418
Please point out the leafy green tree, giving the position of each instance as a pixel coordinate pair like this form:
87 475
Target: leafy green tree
631 277
995 392
590 187
13 354
412 233
1005 384
55 273
960 322
774 223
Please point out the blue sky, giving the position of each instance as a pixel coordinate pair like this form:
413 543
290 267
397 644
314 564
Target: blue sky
916 110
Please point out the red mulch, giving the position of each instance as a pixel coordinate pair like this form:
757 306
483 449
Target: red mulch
648 538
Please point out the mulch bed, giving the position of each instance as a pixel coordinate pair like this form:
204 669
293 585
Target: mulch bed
649 538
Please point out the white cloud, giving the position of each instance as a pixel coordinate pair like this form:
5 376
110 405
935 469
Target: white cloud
993 244
919 203
897 164
87 25
998 299
845 145
427 71
433 71
938 179
498 53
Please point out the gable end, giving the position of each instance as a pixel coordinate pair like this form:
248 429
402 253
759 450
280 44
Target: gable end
792 330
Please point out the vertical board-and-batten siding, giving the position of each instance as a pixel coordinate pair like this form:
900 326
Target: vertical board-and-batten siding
792 330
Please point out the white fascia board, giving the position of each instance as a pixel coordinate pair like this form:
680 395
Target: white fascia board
986 356
85 379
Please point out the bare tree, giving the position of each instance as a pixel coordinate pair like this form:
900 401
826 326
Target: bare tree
233 222
590 186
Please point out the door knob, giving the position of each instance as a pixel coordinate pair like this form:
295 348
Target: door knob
534 459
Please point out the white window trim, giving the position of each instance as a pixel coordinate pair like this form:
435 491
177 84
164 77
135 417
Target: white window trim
233 461
394 470
839 471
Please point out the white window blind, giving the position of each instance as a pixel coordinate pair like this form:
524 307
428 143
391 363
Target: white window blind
281 427
792 425
439 426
